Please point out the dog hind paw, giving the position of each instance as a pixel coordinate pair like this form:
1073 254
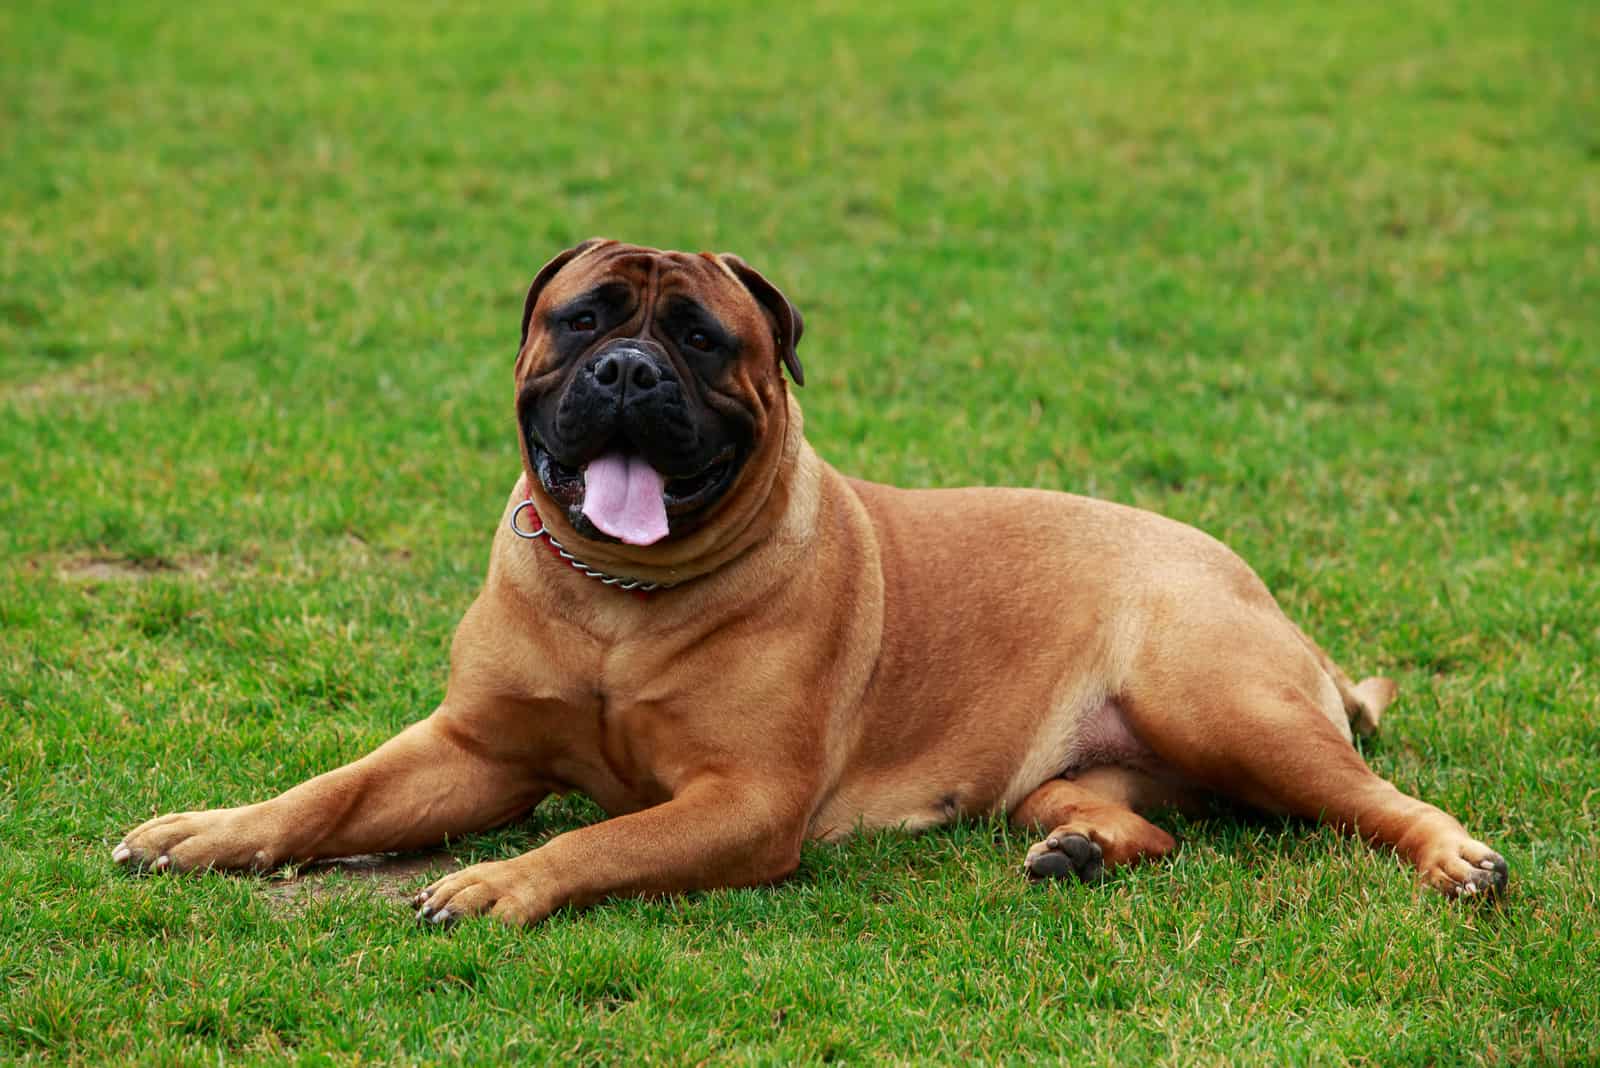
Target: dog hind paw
1062 855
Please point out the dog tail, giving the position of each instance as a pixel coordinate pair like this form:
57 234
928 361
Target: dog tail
1364 701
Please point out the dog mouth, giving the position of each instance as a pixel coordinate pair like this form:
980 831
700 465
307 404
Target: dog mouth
619 495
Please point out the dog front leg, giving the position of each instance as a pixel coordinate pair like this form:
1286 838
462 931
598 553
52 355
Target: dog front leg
716 833
432 780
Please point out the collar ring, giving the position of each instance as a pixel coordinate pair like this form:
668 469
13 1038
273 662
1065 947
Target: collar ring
638 586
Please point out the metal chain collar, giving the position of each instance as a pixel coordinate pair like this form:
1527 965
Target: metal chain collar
638 585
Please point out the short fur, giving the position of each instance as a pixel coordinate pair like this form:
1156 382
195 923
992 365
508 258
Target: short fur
837 654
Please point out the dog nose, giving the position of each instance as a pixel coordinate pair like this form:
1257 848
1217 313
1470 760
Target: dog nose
626 370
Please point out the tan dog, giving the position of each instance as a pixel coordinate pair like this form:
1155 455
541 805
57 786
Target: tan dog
824 655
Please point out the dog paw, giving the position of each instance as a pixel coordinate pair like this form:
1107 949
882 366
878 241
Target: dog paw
503 889
193 841
1469 870
1062 855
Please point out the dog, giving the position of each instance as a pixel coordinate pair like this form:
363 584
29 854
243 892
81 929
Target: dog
733 648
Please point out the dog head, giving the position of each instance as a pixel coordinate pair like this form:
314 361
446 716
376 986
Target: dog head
648 384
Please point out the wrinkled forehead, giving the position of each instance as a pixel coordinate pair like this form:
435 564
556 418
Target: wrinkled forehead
700 277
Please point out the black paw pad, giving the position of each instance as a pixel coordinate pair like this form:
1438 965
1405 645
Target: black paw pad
1071 854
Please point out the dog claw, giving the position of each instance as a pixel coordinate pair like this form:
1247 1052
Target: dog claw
1486 878
162 863
442 916
121 853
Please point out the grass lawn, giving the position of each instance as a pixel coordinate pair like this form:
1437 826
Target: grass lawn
1320 279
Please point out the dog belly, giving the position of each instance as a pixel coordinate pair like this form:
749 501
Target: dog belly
904 804
977 774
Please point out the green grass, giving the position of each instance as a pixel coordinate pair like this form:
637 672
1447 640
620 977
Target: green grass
1319 279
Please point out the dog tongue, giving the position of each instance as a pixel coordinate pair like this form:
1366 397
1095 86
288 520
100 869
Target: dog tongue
622 496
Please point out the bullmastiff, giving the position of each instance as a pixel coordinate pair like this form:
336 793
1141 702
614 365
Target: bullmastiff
732 647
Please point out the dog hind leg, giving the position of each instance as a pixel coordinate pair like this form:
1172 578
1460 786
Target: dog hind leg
1249 726
1363 701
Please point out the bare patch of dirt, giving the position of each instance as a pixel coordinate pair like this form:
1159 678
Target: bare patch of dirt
103 568
391 875
92 382
358 543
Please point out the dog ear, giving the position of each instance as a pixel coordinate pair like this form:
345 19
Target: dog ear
547 272
784 314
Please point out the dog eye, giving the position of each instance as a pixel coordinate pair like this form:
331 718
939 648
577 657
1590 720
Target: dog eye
582 323
699 339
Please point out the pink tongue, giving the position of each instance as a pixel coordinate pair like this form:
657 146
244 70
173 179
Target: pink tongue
622 496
